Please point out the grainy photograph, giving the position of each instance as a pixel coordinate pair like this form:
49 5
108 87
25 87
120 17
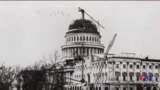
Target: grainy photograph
79 45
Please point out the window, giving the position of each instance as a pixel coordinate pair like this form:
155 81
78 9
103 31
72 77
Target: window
83 38
124 88
137 78
144 66
156 79
106 74
87 38
150 67
117 78
124 77
106 88
96 88
117 65
117 88
74 38
77 38
124 66
150 78
92 38
131 88
131 66
80 38
156 66
131 79
137 66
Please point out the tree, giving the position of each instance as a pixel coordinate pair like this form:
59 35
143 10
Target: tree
7 76
33 77
44 74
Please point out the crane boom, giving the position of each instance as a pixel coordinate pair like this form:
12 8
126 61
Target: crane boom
105 57
110 45
83 11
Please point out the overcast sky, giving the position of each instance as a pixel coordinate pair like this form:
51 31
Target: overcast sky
30 30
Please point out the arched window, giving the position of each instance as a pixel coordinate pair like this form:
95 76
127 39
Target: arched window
131 74
131 66
92 38
83 38
117 74
74 38
77 38
87 38
137 66
106 88
124 76
117 65
150 67
96 88
156 75
80 38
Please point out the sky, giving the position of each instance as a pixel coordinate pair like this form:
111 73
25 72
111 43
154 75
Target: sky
31 30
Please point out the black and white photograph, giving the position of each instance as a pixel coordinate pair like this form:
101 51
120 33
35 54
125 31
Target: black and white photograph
79 45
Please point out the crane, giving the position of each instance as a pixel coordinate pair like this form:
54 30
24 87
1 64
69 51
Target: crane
110 46
84 12
105 58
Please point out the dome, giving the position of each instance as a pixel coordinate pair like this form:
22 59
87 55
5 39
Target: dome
82 26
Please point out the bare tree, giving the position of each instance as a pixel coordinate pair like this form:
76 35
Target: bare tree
33 77
42 75
7 76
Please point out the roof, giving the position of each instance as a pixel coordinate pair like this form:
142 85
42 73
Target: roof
82 26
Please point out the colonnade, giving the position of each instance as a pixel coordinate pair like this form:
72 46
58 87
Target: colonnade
85 51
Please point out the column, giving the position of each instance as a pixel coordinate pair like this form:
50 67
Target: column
86 51
71 52
92 50
78 51
96 50
62 52
65 52
89 51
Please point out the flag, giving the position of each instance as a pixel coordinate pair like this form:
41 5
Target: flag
140 77
145 77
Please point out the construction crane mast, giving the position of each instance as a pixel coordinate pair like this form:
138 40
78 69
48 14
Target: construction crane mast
105 58
84 12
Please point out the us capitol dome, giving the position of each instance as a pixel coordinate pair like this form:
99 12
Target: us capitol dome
82 39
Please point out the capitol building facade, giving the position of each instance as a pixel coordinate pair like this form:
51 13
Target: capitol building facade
87 70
